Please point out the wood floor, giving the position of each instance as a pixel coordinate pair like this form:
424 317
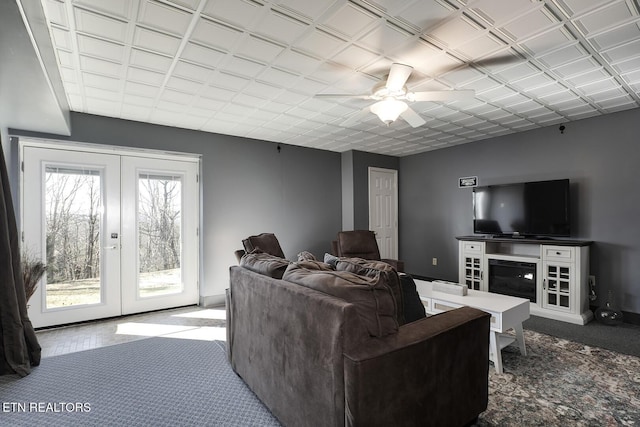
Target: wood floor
181 323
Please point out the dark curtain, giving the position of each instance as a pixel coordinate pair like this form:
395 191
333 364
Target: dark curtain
19 348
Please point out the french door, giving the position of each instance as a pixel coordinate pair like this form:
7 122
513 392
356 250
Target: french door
117 233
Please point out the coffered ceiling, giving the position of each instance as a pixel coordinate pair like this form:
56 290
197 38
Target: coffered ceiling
251 68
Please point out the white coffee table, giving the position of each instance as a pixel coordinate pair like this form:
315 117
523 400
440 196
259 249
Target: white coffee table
506 313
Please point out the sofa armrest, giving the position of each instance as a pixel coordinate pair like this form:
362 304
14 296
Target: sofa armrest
432 372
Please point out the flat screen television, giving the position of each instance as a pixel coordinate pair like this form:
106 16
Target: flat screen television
524 209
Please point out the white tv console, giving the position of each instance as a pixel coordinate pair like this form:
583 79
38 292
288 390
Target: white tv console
561 272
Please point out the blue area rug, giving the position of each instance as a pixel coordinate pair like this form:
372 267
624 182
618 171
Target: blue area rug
150 382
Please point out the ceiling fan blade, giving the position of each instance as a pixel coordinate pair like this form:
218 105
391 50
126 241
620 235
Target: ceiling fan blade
442 95
398 75
356 117
412 118
342 95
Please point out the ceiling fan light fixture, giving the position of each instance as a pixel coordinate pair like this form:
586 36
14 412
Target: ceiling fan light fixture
389 109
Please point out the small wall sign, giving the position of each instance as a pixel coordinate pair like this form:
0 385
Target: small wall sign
468 181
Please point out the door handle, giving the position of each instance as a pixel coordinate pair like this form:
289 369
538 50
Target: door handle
111 247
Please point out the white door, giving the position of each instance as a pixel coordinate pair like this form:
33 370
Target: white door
160 226
383 210
117 233
71 221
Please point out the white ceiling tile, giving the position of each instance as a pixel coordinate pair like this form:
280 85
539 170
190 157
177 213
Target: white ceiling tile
277 77
65 58
177 97
537 21
55 12
248 102
230 81
518 72
298 62
548 41
144 76
101 81
579 7
588 77
354 57
100 25
481 46
350 20
564 55
606 17
386 38
61 38
119 8
241 13
309 9
156 41
617 36
535 81
457 31
259 49
141 89
95 65
152 61
163 17
100 48
192 71
216 35
189 4
320 43
243 66
577 67
184 85
281 27
218 93
592 88
142 101
202 55
624 52
497 12
98 93
424 15
208 104
262 90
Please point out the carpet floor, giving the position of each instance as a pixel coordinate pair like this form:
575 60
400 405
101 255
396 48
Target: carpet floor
175 382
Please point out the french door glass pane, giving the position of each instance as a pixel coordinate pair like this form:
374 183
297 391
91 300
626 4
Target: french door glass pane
159 234
73 216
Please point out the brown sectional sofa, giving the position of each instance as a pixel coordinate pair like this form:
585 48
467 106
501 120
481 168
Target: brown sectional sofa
326 347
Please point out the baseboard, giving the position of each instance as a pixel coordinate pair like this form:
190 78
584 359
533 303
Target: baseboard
212 300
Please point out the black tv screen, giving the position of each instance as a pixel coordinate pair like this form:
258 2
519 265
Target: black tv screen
524 209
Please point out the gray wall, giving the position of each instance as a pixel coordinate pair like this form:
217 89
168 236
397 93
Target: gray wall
249 187
355 196
600 155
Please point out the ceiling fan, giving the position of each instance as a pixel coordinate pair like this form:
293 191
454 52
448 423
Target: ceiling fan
392 98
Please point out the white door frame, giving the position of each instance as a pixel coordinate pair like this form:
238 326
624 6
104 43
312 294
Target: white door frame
394 207
120 152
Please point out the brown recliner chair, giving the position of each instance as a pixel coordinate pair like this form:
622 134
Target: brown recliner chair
266 242
361 244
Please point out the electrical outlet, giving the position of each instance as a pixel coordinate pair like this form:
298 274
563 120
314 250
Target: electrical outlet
434 261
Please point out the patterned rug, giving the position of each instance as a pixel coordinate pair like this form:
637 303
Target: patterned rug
563 383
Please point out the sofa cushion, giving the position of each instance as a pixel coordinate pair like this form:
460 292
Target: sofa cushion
371 268
371 296
413 307
264 263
